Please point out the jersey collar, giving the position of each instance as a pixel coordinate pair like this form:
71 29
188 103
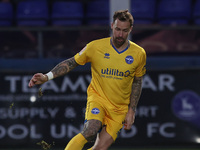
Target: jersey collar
116 48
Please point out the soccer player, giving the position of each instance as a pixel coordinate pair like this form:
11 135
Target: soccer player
117 67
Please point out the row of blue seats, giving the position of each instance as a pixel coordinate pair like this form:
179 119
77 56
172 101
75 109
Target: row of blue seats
166 11
38 13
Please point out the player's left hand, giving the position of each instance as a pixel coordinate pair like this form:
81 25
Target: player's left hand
129 120
37 78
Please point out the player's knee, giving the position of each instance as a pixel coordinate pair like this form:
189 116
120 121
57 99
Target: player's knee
89 134
91 129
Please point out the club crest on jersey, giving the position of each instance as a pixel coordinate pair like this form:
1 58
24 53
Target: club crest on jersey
129 59
95 111
107 55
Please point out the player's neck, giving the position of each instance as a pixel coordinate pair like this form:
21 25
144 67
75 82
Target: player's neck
121 47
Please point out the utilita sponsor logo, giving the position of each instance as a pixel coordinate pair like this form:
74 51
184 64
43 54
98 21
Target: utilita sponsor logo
115 72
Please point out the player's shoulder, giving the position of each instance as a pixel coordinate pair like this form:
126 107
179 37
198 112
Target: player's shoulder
136 47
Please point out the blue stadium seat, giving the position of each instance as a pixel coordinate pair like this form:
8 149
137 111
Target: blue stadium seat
143 11
67 13
97 13
174 11
196 13
32 13
6 14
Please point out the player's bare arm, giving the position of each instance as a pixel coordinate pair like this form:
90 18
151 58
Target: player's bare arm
59 70
134 99
64 67
136 92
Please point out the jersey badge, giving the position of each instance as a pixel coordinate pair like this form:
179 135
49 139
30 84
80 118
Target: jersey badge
129 59
107 55
95 111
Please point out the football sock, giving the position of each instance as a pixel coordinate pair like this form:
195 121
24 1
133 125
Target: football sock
76 143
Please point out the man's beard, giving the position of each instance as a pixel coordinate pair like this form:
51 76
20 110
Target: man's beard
117 42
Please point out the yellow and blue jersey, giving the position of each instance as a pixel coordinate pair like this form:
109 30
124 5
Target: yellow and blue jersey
112 71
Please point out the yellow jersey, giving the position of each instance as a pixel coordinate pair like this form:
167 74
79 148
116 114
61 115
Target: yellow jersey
112 71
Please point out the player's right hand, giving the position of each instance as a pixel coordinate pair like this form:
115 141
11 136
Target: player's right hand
37 78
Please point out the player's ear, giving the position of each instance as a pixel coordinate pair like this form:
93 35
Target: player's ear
131 29
111 25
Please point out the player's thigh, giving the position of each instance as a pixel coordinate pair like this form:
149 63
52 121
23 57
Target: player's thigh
103 140
91 128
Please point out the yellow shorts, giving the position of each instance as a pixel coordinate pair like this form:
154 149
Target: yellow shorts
112 120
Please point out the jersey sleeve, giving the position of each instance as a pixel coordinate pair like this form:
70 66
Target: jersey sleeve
141 69
84 55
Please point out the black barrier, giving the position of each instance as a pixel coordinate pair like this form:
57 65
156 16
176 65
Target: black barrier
168 112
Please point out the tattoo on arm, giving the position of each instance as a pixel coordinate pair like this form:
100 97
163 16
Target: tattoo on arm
136 92
64 67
